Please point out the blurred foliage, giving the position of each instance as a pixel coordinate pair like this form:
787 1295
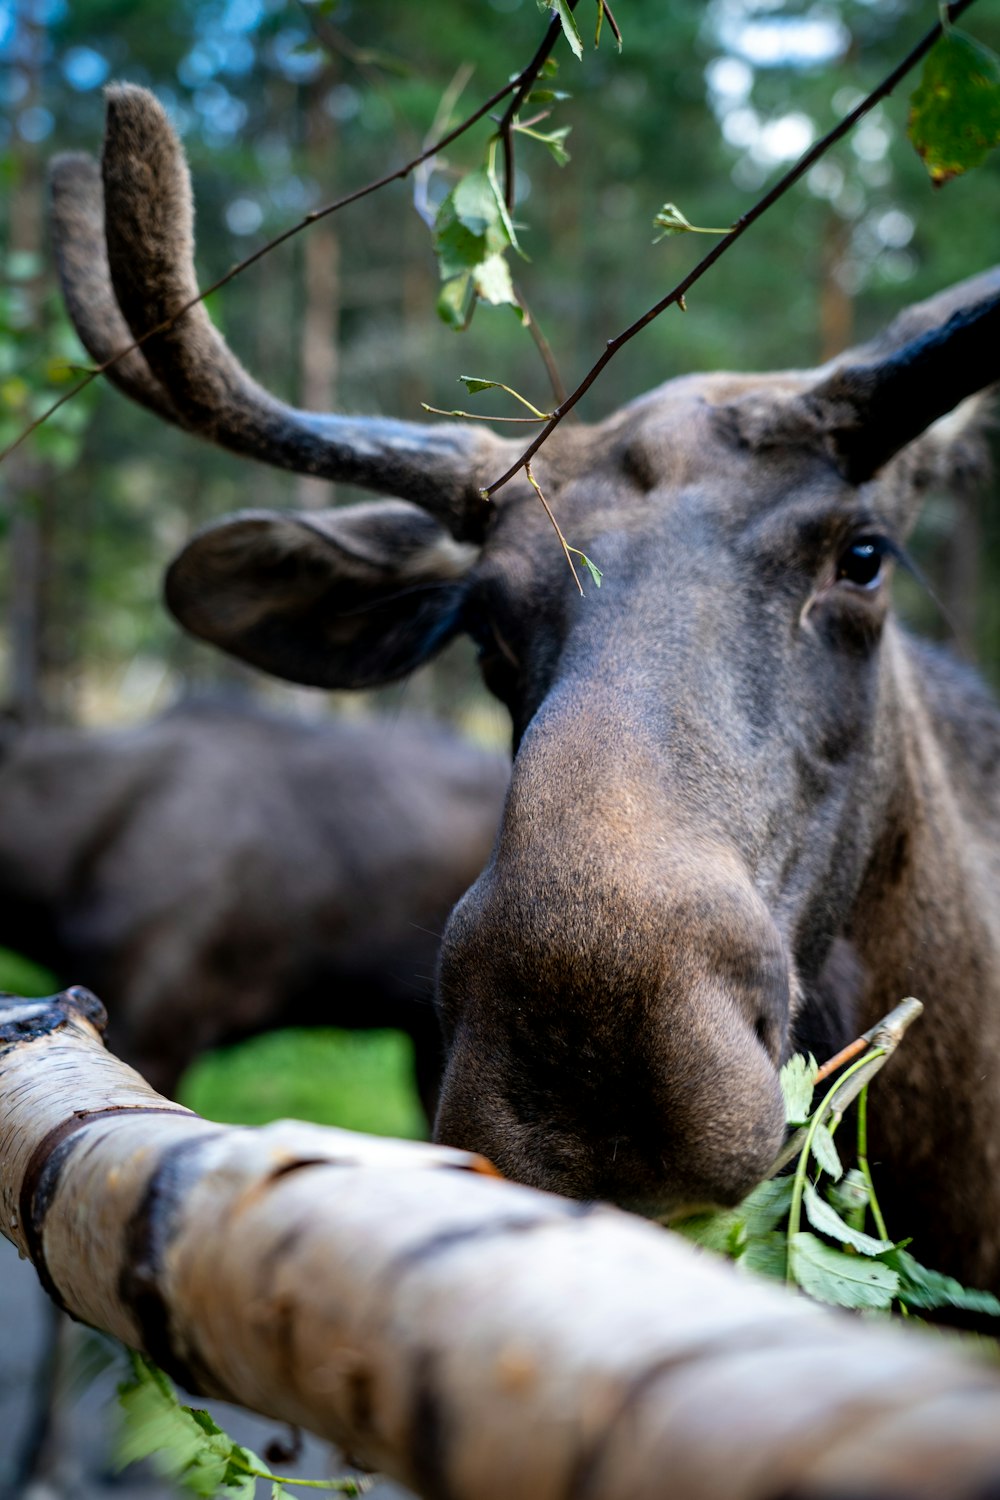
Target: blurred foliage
705 106
19 976
360 1080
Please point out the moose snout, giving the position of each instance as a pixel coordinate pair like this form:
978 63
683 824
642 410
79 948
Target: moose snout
638 1066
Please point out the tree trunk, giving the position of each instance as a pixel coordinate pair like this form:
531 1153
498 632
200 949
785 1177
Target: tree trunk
321 285
27 482
472 1338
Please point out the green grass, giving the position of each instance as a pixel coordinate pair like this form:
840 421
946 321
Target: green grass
19 976
361 1080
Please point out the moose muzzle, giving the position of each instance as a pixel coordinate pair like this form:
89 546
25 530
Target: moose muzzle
615 999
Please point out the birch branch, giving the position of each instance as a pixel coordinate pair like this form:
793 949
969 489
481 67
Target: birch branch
470 1337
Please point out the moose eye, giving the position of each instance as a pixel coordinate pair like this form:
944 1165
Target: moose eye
862 562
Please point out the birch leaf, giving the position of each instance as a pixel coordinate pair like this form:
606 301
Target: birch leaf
184 1443
955 111
825 1152
766 1207
844 1280
455 301
797 1087
922 1289
767 1256
571 30
824 1217
491 279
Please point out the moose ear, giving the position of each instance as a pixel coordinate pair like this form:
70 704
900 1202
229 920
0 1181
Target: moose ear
337 599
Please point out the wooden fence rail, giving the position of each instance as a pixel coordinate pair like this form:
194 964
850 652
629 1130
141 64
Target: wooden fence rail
472 1338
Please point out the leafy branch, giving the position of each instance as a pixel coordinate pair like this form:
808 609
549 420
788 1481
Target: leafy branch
187 1445
743 223
474 384
857 1270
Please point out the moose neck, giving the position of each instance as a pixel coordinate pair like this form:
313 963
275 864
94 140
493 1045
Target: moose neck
927 922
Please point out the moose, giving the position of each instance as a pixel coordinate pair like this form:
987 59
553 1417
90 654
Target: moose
748 811
224 870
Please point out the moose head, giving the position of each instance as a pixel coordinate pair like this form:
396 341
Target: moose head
747 812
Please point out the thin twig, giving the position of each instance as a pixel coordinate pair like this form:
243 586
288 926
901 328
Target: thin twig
542 345
845 1055
863 1164
742 224
477 416
558 529
446 106
524 83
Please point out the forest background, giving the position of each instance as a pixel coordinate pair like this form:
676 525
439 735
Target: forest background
286 105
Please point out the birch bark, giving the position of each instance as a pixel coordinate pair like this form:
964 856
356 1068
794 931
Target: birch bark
471 1338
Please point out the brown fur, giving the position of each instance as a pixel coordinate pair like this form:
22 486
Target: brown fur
747 814
222 871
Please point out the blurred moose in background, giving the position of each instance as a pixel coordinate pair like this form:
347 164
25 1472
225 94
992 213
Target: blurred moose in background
224 870
748 812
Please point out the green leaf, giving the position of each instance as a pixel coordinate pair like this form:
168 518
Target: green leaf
850 1198
844 1280
955 111
724 1232
767 1206
797 1087
492 280
555 140
456 302
824 1217
184 1443
671 221
590 566
825 1152
922 1289
155 1424
732 1231
479 207
455 246
567 21
767 1256
471 225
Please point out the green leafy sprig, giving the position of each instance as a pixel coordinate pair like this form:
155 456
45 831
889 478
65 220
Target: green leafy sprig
670 221
836 1260
188 1446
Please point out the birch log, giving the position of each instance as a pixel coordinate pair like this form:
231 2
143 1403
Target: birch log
472 1338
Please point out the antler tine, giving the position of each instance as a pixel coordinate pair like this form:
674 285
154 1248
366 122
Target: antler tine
76 216
930 315
886 394
149 226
